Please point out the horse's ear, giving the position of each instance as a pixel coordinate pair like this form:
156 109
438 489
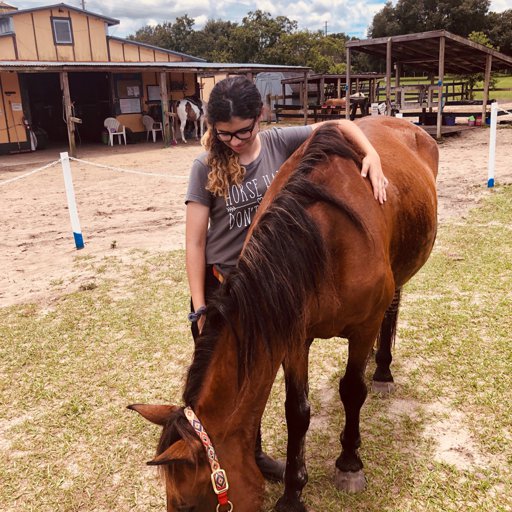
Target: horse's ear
158 414
180 451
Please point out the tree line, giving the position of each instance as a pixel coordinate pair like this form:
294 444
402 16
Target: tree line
261 38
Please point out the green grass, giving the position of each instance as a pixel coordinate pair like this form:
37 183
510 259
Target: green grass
67 372
502 82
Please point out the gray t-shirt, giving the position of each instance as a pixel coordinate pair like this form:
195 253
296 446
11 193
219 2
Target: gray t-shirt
230 218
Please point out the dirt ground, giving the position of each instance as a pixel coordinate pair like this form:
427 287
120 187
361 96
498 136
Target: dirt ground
121 211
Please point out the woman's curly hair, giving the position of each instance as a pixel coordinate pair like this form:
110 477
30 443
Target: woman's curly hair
234 96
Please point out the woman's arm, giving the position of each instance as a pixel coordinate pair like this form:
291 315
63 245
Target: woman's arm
371 161
197 217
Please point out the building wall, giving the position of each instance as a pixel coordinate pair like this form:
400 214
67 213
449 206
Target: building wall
12 129
7 48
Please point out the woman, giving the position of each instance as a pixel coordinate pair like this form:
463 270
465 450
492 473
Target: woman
227 184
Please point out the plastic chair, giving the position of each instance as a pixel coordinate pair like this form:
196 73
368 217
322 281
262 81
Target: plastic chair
151 126
114 127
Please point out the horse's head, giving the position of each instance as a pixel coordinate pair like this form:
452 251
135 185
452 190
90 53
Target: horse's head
182 460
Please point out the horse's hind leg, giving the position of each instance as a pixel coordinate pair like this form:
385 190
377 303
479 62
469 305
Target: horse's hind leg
349 467
382 378
297 420
183 123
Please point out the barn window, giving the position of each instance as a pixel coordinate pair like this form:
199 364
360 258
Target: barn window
6 26
62 32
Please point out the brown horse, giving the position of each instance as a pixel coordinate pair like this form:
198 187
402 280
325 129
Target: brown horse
322 259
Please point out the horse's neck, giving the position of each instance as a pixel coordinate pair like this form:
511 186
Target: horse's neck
232 410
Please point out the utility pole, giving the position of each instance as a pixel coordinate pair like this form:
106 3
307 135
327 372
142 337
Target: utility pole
326 28
83 5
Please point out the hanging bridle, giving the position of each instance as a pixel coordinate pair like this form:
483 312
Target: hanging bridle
219 479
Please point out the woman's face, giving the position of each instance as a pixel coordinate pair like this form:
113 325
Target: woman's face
238 133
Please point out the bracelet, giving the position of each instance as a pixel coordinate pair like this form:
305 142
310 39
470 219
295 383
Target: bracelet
196 315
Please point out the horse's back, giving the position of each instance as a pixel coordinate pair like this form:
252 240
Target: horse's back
409 159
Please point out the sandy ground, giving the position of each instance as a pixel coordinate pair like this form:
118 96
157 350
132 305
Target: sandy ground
120 211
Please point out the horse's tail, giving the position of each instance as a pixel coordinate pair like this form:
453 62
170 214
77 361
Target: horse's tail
386 340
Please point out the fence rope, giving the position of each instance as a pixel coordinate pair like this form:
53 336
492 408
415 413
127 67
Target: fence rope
130 171
30 173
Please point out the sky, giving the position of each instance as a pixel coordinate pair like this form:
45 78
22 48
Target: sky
349 16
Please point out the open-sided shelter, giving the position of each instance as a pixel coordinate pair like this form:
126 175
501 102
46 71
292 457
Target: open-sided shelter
436 52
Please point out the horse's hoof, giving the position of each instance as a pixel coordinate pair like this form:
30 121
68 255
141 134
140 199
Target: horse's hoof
286 505
350 481
383 388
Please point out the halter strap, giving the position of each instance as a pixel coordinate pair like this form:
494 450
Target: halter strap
219 479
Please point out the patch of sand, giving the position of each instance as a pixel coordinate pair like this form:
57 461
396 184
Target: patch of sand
122 212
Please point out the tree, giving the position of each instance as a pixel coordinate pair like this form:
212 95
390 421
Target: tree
410 16
475 78
177 36
500 31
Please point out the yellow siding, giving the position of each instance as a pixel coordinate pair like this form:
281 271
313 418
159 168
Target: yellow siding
65 52
146 55
98 30
161 56
116 51
131 53
43 26
174 58
7 48
25 41
80 38
11 119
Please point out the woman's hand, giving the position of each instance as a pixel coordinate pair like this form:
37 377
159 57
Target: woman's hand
372 168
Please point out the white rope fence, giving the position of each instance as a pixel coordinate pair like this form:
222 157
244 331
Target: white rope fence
130 171
47 166
70 193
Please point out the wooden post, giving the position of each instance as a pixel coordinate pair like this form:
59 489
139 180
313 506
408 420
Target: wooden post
487 82
398 72
165 109
68 112
388 76
347 86
442 43
338 88
321 95
305 98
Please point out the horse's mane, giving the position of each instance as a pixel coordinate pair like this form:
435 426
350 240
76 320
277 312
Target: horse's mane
282 265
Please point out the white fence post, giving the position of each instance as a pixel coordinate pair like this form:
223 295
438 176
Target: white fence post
492 145
70 194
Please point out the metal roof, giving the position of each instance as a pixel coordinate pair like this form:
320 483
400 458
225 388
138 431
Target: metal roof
190 67
110 21
421 51
157 48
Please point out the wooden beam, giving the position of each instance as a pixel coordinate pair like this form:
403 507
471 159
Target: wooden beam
68 113
388 75
347 85
487 81
305 97
166 119
442 47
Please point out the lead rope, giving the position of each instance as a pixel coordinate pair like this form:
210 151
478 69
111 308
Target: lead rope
219 479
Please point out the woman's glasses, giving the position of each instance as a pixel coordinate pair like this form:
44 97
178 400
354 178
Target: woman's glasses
243 134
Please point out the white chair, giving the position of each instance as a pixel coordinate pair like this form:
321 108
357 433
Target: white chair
151 126
114 127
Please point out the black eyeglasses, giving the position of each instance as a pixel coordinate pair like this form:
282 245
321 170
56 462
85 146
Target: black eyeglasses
243 134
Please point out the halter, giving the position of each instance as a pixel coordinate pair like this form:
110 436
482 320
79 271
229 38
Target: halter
219 479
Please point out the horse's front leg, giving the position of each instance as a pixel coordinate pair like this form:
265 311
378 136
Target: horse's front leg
349 467
297 420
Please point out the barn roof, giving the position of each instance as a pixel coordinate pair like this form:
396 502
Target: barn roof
421 51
